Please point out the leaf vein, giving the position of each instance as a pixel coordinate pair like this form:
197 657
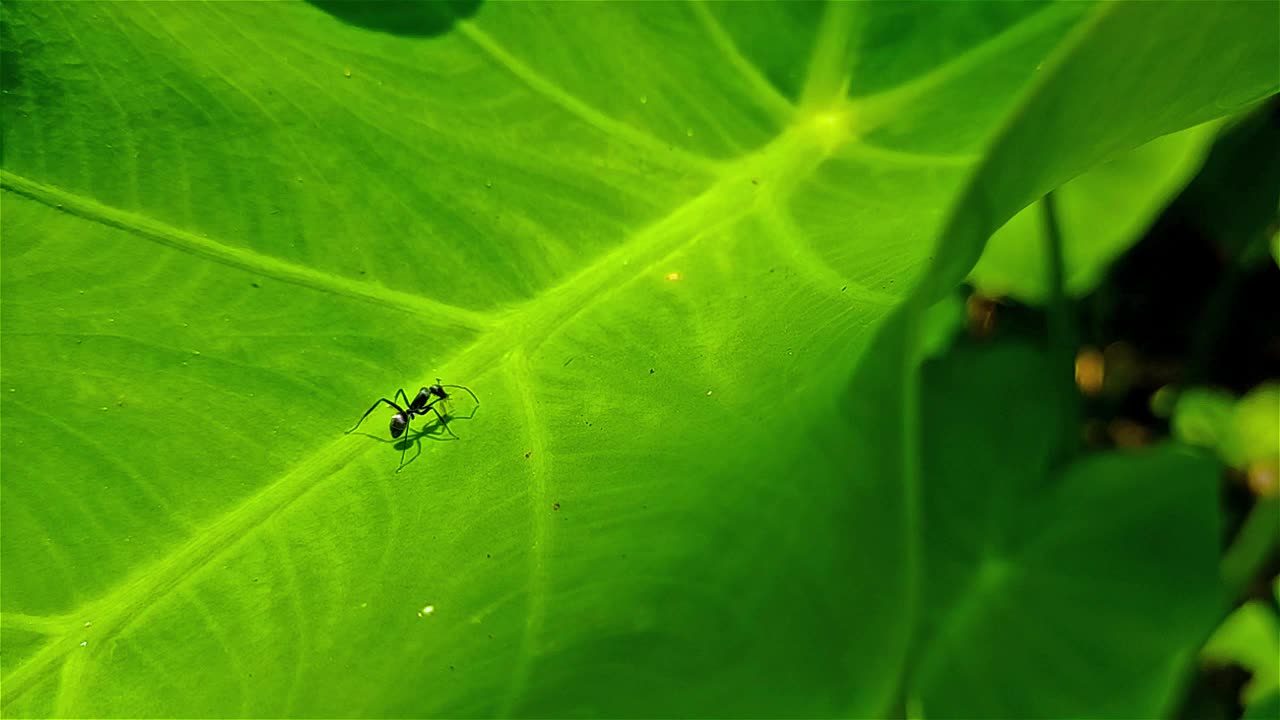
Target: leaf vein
248 260
568 102
775 102
520 380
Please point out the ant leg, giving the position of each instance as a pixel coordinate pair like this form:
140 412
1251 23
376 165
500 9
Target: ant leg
443 421
462 387
371 409
404 448
418 443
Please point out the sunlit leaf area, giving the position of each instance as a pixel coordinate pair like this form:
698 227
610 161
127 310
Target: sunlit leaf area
465 358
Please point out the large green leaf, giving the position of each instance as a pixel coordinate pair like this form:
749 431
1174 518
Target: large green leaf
653 239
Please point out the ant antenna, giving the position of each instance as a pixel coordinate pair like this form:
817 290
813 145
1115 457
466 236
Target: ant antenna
461 387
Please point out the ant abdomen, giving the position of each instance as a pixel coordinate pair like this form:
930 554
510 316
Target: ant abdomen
398 424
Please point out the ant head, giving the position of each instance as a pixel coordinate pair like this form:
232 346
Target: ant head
398 424
438 390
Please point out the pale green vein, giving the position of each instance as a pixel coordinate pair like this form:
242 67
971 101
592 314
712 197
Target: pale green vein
84 439
778 105
557 95
790 238
520 381
41 624
827 77
890 156
295 595
879 108
242 259
124 605
224 641
69 685
130 142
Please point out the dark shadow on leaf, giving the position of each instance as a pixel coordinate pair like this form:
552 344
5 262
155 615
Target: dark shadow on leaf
414 18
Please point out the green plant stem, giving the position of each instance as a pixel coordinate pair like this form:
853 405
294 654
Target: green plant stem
1258 538
1062 331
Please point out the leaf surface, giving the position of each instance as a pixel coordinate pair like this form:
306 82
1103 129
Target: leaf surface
231 227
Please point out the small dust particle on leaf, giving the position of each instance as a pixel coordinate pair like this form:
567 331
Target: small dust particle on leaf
87 623
555 506
708 393
755 181
526 455
644 99
84 643
255 285
846 287
346 72
650 371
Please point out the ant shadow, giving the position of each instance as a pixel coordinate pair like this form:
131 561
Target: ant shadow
433 430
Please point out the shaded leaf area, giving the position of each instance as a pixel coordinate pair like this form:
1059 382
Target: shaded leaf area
402 17
229 228
1087 587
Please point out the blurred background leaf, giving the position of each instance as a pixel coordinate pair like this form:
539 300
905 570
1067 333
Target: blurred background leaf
1086 588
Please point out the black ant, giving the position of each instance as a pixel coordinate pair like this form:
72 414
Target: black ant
426 400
